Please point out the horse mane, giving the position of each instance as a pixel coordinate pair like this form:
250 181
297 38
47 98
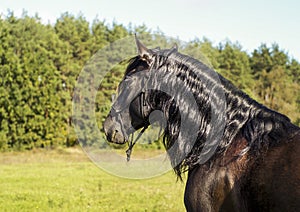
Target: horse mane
259 125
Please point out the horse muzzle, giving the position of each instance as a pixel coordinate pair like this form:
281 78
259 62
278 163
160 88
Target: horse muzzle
113 131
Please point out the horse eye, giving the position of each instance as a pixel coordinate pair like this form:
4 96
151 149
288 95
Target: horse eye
141 68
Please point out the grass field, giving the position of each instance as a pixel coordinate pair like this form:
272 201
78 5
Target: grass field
65 180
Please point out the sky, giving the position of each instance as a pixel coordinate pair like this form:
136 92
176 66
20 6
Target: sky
249 22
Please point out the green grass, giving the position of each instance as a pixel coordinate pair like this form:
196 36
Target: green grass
66 180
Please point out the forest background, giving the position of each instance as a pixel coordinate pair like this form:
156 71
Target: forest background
40 63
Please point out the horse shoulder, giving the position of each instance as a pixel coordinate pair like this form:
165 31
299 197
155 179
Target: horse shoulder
217 187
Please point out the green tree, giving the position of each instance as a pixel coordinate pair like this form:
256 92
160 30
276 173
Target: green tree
276 80
234 64
204 51
32 107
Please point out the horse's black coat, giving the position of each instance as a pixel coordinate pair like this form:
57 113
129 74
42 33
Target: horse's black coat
243 174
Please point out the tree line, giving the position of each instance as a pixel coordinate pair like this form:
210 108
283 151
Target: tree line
39 65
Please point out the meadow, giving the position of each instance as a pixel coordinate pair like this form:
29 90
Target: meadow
66 180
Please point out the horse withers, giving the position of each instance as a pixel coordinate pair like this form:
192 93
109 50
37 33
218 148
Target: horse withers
254 165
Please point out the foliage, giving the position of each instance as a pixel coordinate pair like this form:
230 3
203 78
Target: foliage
40 63
277 80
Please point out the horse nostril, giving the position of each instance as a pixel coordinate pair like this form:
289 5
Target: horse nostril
114 134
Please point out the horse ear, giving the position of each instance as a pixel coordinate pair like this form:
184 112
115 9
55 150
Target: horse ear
143 51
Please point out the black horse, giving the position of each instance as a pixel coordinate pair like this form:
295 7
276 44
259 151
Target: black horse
240 155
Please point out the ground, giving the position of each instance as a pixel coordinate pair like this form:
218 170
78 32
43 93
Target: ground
66 180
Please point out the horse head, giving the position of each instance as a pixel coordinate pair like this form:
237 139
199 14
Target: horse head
169 82
130 111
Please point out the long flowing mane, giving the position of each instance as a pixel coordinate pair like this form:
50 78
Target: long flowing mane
259 125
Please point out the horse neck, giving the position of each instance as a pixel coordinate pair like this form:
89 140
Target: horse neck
242 113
